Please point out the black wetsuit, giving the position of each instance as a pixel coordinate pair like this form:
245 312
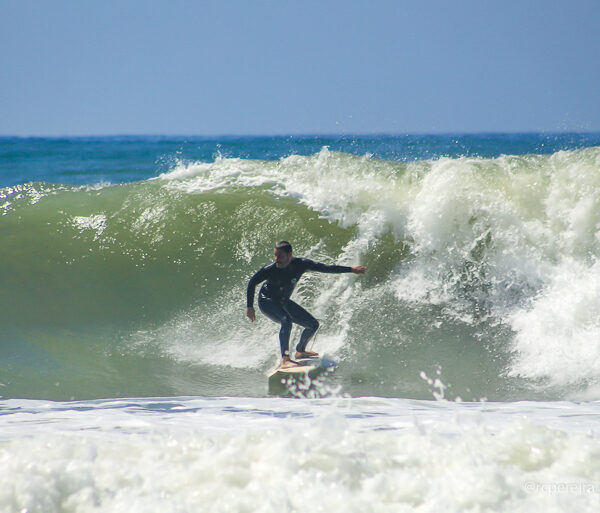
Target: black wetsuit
274 297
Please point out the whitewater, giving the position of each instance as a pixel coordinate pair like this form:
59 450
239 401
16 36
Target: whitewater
469 364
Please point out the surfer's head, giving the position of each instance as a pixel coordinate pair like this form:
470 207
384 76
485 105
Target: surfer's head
283 253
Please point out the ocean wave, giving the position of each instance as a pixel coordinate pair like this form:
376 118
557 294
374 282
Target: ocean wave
484 268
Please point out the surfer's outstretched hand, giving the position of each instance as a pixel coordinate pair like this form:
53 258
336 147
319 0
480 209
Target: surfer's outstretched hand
250 313
359 269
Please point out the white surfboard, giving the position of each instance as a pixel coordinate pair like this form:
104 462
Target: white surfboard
282 380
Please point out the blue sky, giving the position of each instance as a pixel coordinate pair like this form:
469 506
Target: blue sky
252 67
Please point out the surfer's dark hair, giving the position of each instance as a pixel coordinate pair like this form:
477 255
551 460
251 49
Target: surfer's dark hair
284 245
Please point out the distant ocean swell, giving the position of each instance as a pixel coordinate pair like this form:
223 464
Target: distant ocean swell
482 272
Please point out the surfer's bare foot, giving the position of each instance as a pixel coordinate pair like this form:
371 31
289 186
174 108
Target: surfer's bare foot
287 362
305 354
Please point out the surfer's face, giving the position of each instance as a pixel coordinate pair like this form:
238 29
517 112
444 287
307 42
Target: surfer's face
282 258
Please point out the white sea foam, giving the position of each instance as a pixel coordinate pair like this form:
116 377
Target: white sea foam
95 223
558 336
369 454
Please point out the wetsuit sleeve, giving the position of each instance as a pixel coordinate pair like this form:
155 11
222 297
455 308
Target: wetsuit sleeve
259 277
311 265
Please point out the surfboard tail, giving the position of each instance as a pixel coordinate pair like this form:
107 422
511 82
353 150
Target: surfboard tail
306 377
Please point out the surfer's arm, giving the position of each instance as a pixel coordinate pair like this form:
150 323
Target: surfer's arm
259 277
311 265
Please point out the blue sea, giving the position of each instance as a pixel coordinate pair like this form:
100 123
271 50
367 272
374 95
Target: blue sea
468 373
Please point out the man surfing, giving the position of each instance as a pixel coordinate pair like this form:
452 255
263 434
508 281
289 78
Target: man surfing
274 301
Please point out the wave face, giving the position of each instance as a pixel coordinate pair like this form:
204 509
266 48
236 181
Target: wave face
483 281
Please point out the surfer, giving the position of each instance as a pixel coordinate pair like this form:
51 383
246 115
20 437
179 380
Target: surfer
274 301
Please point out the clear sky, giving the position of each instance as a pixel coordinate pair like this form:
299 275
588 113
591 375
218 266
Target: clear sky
83 67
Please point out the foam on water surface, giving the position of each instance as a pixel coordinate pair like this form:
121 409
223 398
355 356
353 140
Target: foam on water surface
225 454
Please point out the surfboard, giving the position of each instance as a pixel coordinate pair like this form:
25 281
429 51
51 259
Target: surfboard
283 380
